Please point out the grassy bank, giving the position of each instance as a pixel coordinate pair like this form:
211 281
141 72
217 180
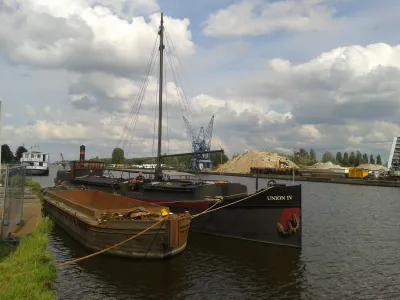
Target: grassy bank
29 271
5 250
35 187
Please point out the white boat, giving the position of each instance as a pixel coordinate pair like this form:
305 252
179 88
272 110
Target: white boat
37 163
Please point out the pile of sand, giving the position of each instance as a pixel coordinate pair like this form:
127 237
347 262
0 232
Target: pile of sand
325 166
372 167
255 159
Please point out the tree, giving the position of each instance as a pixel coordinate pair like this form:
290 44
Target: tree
214 157
371 159
339 158
345 161
359 158
304 156
118 156
313 156
379 160
327 156
18 153
7 156
365 158
352 159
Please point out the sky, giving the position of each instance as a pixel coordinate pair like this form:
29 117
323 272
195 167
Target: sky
276 75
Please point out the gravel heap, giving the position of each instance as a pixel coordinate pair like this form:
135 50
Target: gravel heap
254 159
372 167
325 166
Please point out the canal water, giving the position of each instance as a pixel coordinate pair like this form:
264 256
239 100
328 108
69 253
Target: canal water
350 251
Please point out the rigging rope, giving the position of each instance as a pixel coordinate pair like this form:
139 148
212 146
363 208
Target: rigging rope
126 137
180 63
178 80
166 105
136 103
176 88
140 104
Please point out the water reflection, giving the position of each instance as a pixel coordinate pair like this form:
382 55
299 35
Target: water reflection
350 251
208 269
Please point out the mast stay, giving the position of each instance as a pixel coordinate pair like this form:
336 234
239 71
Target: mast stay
127 133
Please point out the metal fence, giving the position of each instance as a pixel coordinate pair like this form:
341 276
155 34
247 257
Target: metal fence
12 199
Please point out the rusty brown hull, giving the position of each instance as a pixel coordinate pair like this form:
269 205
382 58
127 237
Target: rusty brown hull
81 221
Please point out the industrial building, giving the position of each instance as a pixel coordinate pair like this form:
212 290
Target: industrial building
394 156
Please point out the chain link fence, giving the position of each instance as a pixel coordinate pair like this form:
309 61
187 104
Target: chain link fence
12 199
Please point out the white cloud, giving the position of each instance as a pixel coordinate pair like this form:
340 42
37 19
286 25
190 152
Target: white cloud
343 99
310 132
345 96
83 35
312 112
47 109
258 17
29 110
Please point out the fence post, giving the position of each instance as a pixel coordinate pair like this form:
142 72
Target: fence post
23 174
3 222
256 182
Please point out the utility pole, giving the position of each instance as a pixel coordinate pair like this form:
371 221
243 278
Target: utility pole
1 138
294 161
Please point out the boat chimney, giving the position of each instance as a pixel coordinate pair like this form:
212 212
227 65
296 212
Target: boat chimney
82 153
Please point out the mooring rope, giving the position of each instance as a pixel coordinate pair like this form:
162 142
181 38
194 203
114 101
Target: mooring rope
208 210
116 245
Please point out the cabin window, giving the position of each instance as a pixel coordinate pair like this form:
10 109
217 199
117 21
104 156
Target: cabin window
26 155
39 156
85 165
32 155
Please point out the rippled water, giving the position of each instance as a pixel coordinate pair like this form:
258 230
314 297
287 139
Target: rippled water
350 251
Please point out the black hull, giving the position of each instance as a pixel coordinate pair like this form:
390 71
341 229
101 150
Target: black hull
252 217
256 225
37 172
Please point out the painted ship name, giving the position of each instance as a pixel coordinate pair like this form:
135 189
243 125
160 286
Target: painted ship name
279 198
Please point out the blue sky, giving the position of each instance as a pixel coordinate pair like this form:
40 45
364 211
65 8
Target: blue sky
269 68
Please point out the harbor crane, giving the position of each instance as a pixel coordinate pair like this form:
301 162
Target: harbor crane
201 145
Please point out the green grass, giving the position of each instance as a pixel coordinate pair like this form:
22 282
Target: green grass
5 250
29 272
35 187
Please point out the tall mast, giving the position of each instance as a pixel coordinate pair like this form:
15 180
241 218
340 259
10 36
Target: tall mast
158 171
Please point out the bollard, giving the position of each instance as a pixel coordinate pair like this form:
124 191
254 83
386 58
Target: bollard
256 182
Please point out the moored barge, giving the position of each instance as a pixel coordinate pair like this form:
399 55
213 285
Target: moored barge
99 220
269 215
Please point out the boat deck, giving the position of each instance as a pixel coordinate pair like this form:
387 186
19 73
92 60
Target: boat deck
92 204
99 180
99 220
